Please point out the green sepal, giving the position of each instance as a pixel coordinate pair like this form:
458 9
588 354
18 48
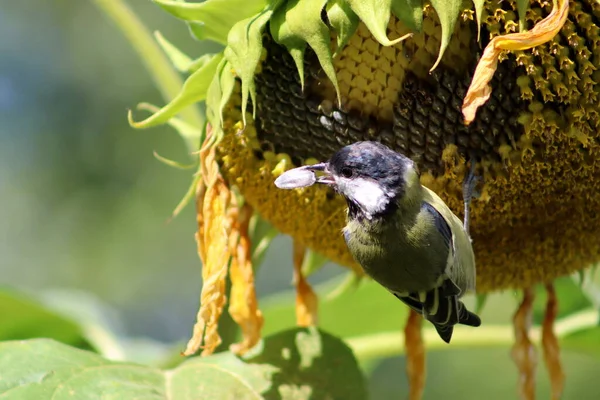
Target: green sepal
581 277
262 234
448 12
243 51
376 16
410 12
343 21
478 15
480 300
194 90
522 7
172 163
282 34
190 134
303 21
349 283
313 262
218 95
189 195
212 19
179 59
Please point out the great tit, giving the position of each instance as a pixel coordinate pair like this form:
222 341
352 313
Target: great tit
402 234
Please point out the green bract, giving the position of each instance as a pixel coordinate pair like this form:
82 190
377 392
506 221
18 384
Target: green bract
295 24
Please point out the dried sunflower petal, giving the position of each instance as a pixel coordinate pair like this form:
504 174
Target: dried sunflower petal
214 227
306 299
243 304
479 92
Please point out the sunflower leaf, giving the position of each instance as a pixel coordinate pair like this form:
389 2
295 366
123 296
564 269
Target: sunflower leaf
243 51
479 15
448 12
194 90
376 16
212 19
343 20
522 6
410 12
282 34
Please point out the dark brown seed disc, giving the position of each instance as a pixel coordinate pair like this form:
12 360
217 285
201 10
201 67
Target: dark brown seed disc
427 116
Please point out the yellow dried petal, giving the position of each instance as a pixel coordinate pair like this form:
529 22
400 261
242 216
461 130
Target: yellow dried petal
480 90
550 345
306 299
212 202
243 305
415 355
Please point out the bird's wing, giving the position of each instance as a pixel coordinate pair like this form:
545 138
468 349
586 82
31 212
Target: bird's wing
461 266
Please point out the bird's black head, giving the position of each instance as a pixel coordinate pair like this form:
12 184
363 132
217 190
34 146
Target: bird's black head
370 176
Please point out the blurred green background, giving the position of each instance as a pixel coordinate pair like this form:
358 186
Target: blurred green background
84 208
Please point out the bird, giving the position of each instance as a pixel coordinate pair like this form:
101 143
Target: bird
402 234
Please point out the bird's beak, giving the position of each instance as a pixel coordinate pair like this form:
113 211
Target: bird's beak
327 178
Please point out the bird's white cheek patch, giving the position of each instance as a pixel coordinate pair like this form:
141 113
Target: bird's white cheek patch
368 194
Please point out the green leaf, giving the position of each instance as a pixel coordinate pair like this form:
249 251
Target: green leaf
522 7
312 364
479 15
367 309
343 20
410 12
25 318
585 340
570 299
179 59
297 364
212 19
448 12
243 51
194 90
376 15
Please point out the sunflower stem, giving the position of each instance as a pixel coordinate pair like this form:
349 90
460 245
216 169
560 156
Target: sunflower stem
167 79
387 344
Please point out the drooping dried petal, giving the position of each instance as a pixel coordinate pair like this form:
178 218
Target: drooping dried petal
415 356
523 351
214 227
479 90
550 345
243 305
306 299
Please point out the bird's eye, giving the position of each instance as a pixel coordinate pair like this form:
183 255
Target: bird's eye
347 172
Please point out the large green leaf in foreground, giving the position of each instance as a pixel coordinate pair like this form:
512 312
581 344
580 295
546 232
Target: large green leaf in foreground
296 364
24 318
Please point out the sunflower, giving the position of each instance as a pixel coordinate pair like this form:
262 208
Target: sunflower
510 84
